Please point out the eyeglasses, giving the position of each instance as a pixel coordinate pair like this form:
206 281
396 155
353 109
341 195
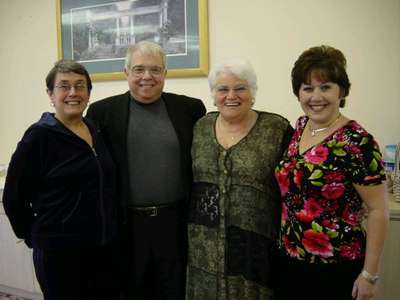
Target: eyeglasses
66 88
223 90
141 70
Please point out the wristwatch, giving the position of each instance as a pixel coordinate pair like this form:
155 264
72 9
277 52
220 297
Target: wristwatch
370 278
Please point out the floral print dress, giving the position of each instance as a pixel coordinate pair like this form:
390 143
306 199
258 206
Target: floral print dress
321 210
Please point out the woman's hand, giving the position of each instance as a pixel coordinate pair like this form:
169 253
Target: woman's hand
363 289
375 199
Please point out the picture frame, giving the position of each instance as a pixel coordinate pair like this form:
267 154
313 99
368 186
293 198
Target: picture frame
97 33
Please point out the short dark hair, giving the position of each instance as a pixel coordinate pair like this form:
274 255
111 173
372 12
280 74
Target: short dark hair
325 62
67 66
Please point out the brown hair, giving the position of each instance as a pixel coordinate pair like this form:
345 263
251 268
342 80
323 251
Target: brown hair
67 66
325 63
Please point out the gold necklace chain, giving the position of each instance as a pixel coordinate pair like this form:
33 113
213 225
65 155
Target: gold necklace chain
224 130
318 130
237 135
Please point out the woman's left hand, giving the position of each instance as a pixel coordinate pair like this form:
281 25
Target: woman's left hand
362 289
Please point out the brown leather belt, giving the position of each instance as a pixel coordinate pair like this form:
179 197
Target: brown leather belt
152 211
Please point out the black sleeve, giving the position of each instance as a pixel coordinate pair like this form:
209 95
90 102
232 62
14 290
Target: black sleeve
21 187
92 115
200 110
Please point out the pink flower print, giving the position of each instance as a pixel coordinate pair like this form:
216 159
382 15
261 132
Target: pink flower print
333 176
284 214
328 224
290 249
292 149
353 149
298 175
296 199
317 154
304 216
340 136
283 181
313 208
351 250
357 127
351 218
317 243
372 178
289 166
333 190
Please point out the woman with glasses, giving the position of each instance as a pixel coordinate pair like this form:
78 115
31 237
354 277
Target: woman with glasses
59 193
233 216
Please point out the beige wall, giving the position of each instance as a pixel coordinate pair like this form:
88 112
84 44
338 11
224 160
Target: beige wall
271 34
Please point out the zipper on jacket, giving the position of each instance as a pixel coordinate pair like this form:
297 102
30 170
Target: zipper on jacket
102 212
94 152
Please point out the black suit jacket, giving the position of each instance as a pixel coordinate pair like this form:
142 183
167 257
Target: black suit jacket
112 115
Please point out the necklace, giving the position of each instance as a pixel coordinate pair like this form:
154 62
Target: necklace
318 130
227 132
232 135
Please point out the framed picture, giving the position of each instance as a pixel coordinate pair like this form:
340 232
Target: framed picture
97 33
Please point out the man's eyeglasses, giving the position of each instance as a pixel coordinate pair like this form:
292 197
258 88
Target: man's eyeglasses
141 70
67 88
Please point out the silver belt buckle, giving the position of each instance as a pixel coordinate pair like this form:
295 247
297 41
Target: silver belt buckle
154 211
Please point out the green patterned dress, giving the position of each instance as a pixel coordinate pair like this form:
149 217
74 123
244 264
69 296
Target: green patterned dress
234 210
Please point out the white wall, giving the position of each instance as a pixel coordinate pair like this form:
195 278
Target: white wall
271 34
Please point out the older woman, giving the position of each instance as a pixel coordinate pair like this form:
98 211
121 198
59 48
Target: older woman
331 171
59 193
233 216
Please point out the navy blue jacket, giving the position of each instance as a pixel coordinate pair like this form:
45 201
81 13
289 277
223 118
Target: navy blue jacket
59 191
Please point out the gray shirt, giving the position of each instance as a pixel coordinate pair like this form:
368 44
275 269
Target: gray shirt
153 156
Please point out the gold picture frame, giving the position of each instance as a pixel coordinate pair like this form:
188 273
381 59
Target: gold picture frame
87 30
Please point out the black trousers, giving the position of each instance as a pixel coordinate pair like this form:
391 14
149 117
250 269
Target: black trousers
299 280
158 255
79 274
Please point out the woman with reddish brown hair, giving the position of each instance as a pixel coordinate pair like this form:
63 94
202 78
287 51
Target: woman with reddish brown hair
331 172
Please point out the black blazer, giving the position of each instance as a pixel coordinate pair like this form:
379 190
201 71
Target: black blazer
112 115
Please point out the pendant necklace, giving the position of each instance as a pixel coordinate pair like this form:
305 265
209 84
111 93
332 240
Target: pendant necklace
318 130
237 135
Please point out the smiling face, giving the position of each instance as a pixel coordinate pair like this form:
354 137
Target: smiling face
232 96
147 84
320 100
70 95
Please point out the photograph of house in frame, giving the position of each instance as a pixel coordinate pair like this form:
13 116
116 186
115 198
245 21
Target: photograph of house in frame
98 32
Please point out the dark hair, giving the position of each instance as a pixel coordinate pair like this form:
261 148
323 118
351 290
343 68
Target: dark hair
324 62
67 66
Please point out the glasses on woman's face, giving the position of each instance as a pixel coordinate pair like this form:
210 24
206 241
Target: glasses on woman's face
224 90
80 87
139 71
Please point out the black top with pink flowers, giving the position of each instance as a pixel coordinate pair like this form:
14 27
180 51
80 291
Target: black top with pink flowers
321 210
